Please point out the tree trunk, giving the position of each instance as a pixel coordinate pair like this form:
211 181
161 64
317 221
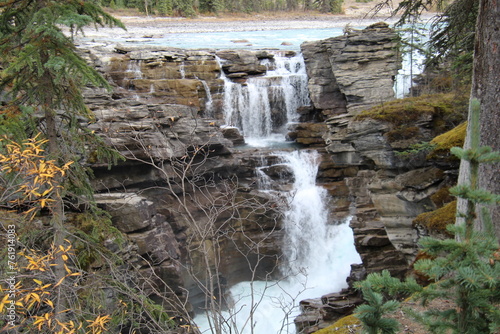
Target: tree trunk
57 207
486 89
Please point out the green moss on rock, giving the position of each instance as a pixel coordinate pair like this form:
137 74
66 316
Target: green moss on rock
437 220
441 110
441 197
444 142
345 325
408 110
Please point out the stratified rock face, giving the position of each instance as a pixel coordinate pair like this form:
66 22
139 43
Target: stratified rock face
150 232
361 169
352 72
166 75
243 63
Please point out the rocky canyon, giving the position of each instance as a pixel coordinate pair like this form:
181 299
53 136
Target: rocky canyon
188 193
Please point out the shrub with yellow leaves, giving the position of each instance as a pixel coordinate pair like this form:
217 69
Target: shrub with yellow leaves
47 289
36 295
28 181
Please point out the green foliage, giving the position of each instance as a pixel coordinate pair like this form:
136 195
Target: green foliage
452 37
336 6
91 230
191 8
184 7
40 81
164 7
463 273
415 149
452 32
378 289
44 73
411 42
211 6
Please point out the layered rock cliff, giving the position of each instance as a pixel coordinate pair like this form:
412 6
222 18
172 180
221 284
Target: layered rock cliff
386 181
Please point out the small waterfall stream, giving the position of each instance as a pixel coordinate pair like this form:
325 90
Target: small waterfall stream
256 108
209 108
317 252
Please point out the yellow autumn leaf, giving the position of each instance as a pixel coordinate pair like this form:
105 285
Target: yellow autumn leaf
66 165
37 281
40 321
47 191
3 302
30 305
35 296
49 302
59 282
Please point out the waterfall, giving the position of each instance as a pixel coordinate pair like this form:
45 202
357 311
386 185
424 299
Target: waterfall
134 68
318 256
317 253
413 58
316 250
256 107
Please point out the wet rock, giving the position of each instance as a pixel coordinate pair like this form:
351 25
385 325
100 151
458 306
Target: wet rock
233 134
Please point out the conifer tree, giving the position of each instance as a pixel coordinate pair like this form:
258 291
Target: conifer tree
42 77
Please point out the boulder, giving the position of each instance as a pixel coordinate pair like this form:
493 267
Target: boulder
242 63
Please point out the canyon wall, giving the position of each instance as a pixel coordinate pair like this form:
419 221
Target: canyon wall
165 113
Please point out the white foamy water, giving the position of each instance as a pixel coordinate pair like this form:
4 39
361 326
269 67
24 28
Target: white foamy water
250 107
318 256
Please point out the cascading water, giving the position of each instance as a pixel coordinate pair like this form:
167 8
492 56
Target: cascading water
134 68
413 58
317 253
209 108
318 257
251 107
182 70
